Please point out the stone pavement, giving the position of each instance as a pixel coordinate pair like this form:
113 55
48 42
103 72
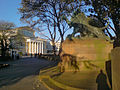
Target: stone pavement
22 74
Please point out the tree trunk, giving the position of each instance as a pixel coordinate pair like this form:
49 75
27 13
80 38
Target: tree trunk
116 42
117 39
61 35
60 51
54 51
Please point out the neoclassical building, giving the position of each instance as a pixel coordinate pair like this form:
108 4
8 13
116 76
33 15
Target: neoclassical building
23 41
32 44
35 45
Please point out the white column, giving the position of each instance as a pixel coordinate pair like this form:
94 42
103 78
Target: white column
32 47
42 47
35 47
26 47
39 47
29 47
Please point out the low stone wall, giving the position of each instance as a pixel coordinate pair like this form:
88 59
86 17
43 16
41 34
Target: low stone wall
115 57
50 57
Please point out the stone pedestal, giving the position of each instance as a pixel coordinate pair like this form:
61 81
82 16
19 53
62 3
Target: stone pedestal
115 57
87 52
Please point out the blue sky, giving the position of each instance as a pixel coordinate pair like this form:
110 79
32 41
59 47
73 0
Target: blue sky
9 11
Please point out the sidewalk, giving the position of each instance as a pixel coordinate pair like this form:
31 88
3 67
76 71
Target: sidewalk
22 74
27 83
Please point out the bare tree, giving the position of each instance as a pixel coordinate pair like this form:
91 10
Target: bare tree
51 29
4 36
41 11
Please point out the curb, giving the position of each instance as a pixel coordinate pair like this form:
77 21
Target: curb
60 85
45 85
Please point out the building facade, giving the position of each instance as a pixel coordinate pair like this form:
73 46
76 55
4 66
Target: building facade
57 45
32 44
24 42
35 45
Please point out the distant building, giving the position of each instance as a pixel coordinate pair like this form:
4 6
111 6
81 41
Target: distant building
57 45
31 44
28 43
49 47
35 45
